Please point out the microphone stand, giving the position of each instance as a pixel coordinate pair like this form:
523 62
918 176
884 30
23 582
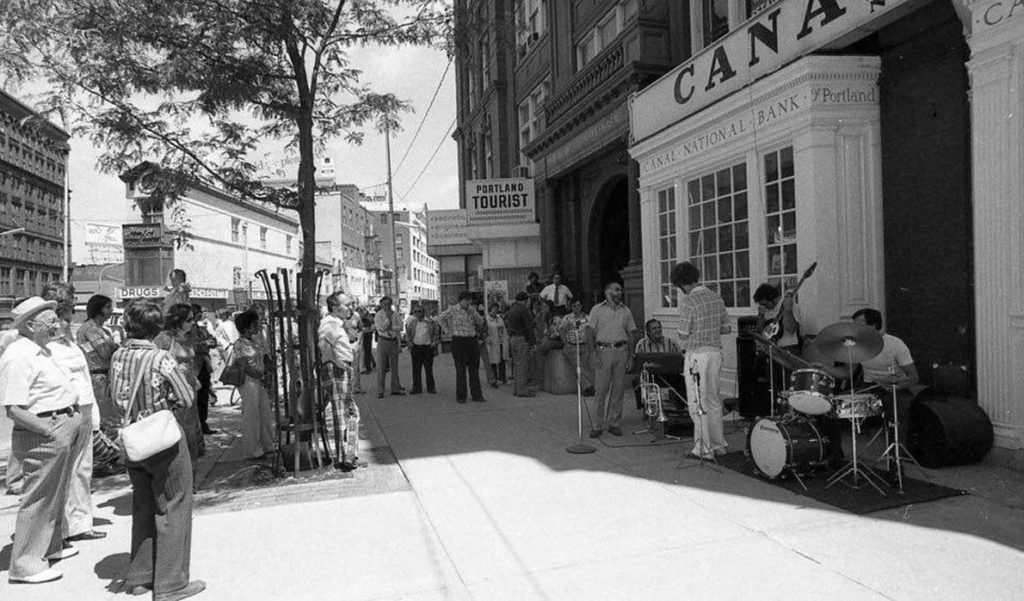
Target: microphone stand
580 448
699 426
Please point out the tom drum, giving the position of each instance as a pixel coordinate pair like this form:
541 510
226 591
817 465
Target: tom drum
811 391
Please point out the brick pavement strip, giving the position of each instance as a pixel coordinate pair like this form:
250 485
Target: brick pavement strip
481 501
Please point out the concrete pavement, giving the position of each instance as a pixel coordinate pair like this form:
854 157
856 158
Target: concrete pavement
484 503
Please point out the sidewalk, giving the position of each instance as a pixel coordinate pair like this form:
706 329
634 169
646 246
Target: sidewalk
481 501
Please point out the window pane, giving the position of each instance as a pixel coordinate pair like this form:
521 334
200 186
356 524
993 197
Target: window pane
707 185
725 209
709 213
725 266
661 202
716 19
775 261
789 225
790 263
739 177
740 205
710 241
788 194
786 159
742 237
743 298
693 191
725 238
772 198
742 264
774 233
710 271
695 218
771 167
724 184
727 290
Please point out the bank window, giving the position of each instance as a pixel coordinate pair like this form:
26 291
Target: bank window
780 211
718 229
263 237
667 245
604 33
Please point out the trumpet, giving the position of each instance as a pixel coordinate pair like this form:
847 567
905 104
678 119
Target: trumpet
650 392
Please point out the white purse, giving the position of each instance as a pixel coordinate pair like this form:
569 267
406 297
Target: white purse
150 435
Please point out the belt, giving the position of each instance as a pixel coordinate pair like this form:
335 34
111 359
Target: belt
68 411
465 337
99 371
580 343
618 344
387 337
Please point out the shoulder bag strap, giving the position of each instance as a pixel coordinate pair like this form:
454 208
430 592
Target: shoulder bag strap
145 365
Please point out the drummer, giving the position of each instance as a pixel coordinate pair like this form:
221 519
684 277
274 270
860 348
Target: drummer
893 366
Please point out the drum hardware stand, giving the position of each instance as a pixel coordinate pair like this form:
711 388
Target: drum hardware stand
893 451
698 428
771 381
580 448
854 468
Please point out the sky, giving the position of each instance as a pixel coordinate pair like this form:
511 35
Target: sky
412 74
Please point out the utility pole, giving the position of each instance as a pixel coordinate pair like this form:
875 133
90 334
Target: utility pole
67 223
391 218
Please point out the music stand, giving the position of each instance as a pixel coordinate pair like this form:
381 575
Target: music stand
650 366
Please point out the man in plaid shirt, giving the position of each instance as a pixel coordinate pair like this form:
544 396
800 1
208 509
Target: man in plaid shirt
703 320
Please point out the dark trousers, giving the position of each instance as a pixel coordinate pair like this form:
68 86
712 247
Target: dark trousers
367 342
520 350
161 520
422 360
387 359
46 465
203 394
466 353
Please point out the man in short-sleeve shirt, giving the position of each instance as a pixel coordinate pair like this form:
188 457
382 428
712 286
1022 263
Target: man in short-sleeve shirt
613 327
43 404
893 366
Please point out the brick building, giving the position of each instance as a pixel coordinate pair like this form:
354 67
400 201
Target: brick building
33 163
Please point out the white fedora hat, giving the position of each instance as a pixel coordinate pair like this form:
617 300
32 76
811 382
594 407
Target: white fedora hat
29 308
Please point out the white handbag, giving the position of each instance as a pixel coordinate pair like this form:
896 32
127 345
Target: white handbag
150 435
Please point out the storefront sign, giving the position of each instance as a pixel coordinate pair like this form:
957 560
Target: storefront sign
500 201
142 292
142 235
209 293
764 44
447 227
761 115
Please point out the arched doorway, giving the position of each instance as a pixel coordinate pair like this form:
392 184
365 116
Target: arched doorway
609 234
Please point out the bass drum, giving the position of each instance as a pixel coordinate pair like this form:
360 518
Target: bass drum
793 443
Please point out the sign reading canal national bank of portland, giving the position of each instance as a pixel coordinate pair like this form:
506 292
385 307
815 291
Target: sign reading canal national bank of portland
761 45
500 201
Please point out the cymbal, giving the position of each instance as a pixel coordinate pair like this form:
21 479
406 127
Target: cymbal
848 341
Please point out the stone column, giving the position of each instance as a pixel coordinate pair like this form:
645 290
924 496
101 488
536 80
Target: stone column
633 273
996 70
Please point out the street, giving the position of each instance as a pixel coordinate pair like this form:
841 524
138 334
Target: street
484 503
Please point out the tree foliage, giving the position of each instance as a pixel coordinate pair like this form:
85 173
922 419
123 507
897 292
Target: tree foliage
195 86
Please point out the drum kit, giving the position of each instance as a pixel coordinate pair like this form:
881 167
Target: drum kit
792 441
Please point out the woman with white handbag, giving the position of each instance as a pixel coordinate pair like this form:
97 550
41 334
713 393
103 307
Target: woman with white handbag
146 383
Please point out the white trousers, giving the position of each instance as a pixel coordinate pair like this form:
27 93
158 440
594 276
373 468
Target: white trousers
78 509
702 372
257 419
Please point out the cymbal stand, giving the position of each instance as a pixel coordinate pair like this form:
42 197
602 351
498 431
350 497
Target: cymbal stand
699 426
580 448
771 380
854 468
893 451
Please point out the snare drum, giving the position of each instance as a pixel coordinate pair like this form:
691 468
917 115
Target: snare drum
786 444
811 391
851 406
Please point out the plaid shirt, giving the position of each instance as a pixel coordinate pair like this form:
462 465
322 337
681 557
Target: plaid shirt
462 322
703 319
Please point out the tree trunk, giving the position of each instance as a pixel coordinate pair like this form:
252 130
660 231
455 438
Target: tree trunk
308 309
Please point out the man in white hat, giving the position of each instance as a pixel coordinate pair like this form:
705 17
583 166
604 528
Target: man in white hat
44 408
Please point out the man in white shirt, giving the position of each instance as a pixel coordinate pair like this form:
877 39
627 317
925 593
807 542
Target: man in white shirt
893 366
558 294
43 405
226 333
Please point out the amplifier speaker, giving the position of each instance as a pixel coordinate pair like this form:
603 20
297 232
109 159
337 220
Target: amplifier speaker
751 379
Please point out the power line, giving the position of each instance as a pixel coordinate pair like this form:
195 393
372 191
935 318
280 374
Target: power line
430 160
424 119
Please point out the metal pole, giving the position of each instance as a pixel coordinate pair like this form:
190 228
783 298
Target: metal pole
391 218
67 223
